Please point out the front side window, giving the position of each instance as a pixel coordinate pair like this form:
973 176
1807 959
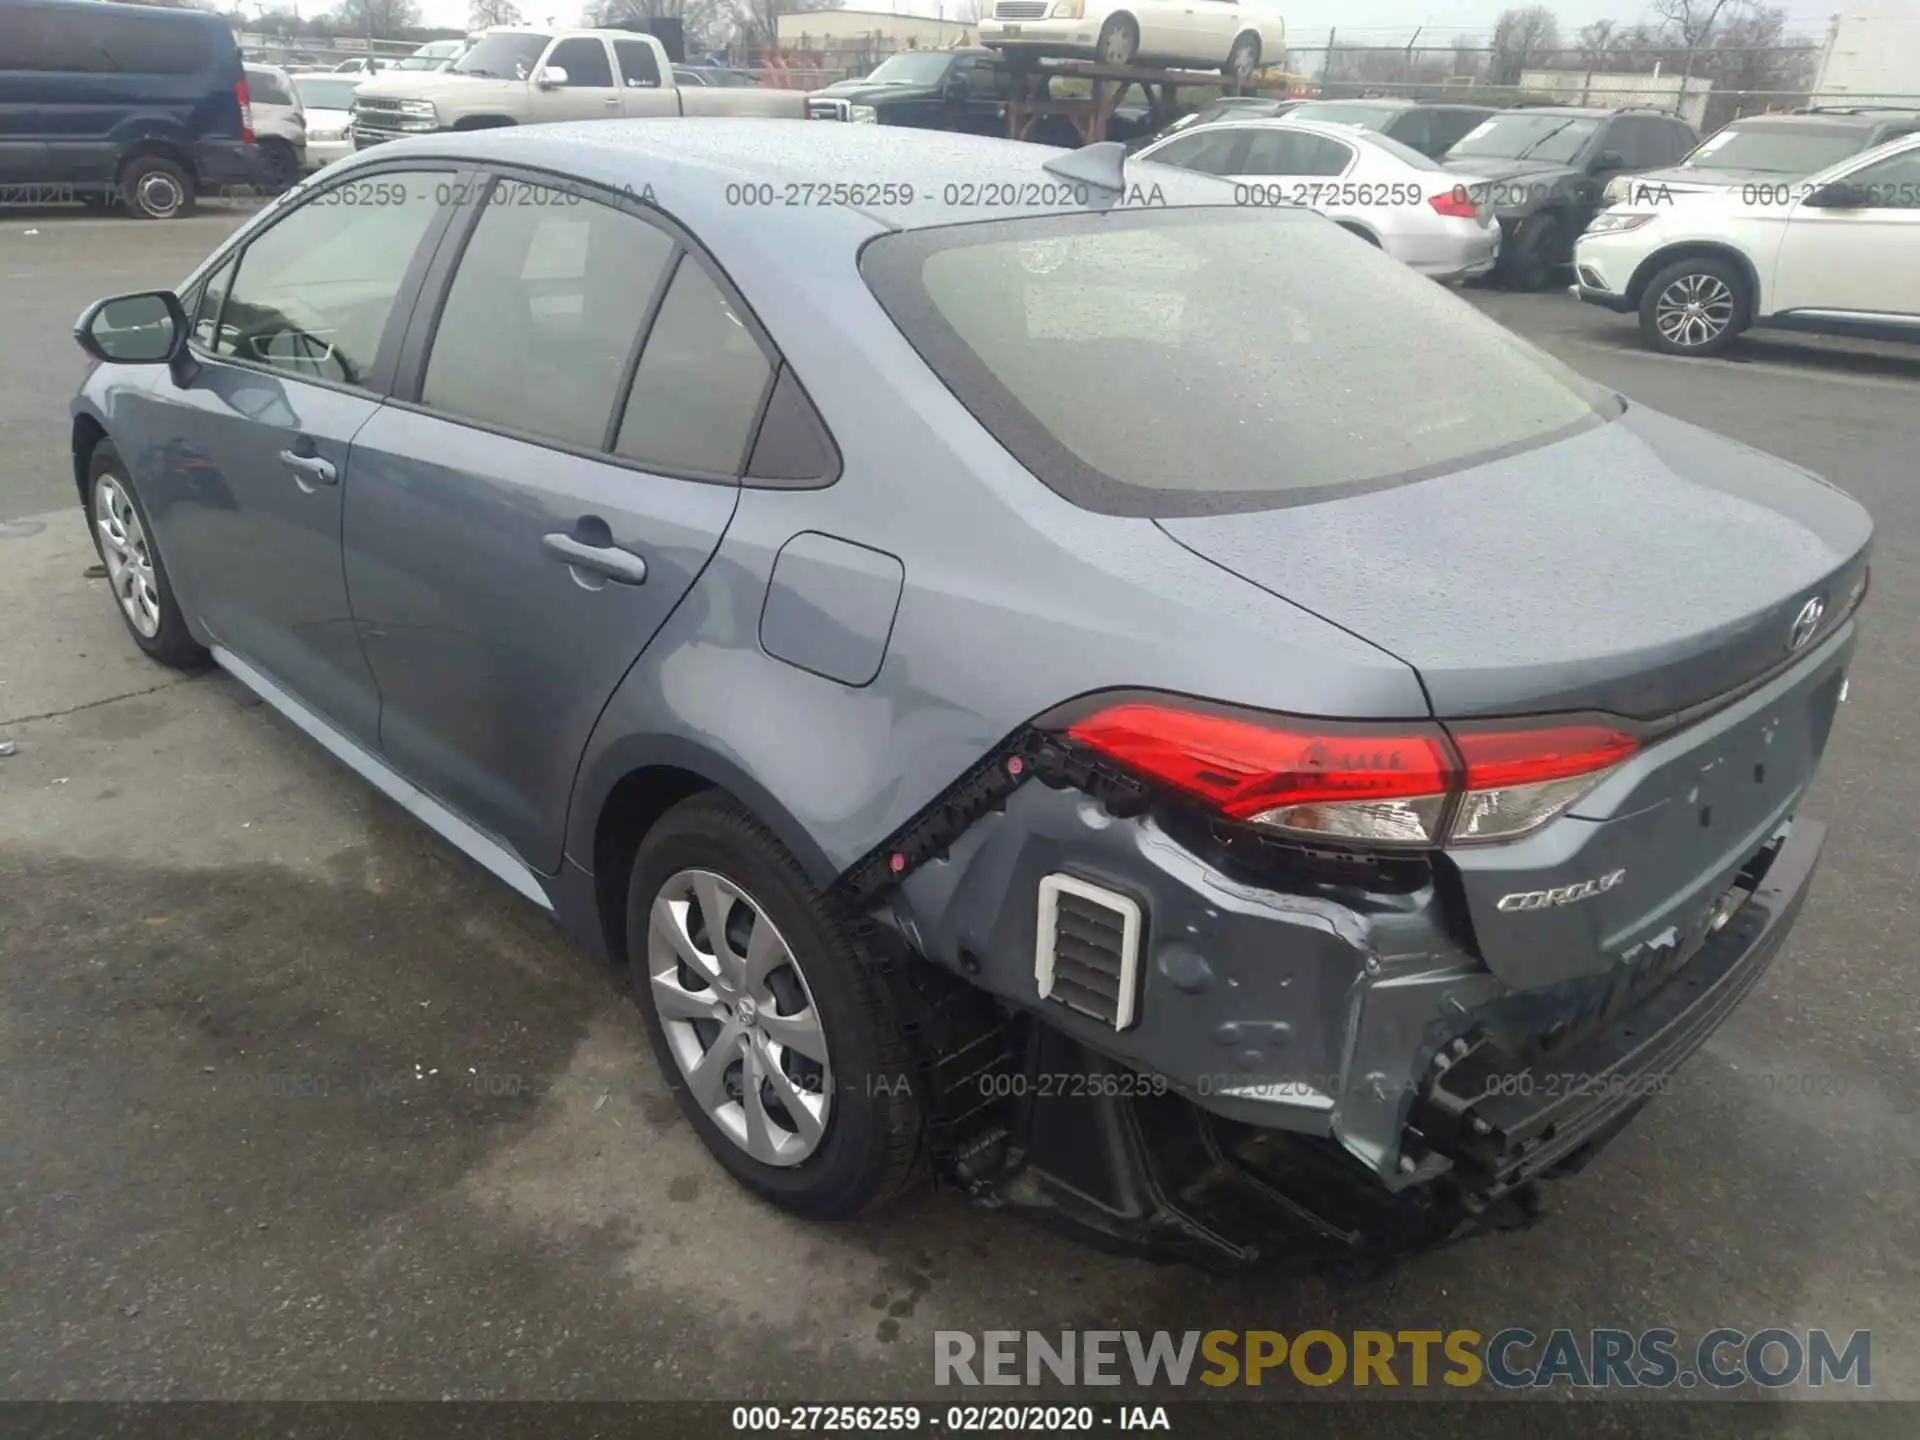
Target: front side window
206 305
543 314
585 62
1890 184
1208 359
313 293
702 379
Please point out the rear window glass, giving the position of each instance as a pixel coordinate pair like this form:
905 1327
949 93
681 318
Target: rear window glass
265 87
1187 361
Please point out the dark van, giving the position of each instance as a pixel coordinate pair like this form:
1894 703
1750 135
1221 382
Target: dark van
121 102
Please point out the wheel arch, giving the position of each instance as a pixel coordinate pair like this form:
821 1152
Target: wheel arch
88 432
159 147
1355 227
637 782
1695 250
484 122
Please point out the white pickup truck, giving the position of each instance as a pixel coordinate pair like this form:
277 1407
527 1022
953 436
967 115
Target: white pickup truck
518 75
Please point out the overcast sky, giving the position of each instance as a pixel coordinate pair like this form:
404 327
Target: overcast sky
1378 22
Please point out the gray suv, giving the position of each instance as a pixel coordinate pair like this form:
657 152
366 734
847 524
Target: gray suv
1150 711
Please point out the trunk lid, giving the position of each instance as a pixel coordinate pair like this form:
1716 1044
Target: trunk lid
1639 568
1643 569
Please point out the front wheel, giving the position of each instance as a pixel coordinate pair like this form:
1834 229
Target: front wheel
135 572
1529 261
769 1021
1695 307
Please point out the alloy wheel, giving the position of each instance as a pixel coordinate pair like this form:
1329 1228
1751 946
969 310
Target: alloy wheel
1693 311
123 543
738 1017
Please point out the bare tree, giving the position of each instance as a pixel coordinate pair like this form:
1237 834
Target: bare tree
374 17
708 24
1523 40
484 13
757 22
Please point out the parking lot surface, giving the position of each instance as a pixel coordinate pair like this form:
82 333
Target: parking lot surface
298 1103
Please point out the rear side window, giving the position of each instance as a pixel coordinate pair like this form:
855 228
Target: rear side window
1293 152
701 383
543 314
585 62
639 68
127 40
313 293
1119 358
265 87
1210 152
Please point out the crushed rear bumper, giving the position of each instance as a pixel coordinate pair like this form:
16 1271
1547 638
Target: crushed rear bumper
1502 1119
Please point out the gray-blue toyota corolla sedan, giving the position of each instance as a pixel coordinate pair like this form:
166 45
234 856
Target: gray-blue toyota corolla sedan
1147 710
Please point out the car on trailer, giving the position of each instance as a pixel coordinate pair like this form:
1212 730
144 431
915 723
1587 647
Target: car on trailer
1139 704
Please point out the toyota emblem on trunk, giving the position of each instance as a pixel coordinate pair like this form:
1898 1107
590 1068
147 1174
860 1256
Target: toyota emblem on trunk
1806 622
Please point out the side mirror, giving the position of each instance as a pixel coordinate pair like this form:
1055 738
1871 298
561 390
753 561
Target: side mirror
551 77
1609 160
149 328
1839 195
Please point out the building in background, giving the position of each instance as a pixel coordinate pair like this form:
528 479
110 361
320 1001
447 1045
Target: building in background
1685 98
875 31
1874 54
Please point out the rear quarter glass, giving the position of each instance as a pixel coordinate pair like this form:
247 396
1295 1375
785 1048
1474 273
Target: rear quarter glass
1119 358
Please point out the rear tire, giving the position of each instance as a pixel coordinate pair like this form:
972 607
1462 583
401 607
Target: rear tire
1695 307
123 537
153 187
1529 263
1244 58
1119 41
774 987
283 165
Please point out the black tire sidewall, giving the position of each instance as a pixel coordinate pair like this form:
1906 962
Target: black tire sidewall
1117 24
1531 266
173 645
873 1124
1727 274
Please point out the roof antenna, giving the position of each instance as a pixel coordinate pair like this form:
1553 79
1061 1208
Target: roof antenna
1100 164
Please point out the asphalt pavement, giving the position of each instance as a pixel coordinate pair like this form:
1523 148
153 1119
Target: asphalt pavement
295 1102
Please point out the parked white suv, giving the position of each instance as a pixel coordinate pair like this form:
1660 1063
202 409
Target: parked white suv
1237 39
1837 252
279 124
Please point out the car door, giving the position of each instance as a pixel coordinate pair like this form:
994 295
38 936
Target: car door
1208 28
641 93
542 492
589 93
293 342
1859 260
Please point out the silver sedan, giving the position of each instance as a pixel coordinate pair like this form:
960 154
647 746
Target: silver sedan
1385 192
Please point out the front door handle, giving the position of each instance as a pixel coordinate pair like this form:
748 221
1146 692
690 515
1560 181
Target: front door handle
596 553
309 470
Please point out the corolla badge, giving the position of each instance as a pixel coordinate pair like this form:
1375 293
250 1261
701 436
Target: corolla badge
1806 622
1561 894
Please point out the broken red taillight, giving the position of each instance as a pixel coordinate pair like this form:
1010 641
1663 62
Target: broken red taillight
1395 784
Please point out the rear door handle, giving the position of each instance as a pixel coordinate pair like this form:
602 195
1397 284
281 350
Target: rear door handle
606 559
309 470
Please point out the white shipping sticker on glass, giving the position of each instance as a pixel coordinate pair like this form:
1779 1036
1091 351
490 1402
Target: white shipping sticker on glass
1476 132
